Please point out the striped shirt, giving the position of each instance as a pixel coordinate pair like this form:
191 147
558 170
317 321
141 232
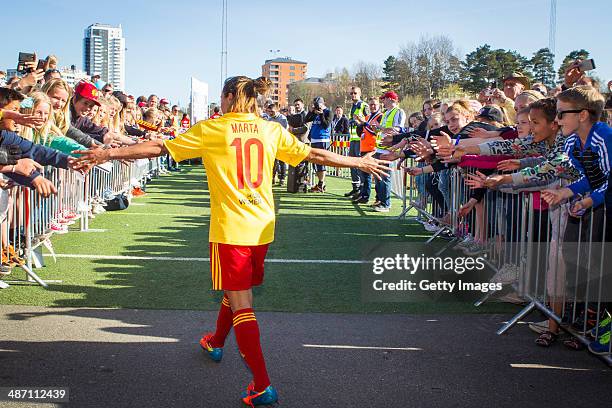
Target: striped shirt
593 162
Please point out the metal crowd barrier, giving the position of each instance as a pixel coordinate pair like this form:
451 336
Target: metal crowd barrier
545 258
28 220
340 145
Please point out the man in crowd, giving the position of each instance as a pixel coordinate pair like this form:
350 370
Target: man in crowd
367 145
359 110
280 168
340 124
393 119
514 85
297 124
320 136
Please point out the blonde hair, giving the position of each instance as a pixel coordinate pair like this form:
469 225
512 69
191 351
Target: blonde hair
61 117
531 95
435 116
150 114
584 97
51 62
44 134
246 93
128 114
116 122
101 116
463 107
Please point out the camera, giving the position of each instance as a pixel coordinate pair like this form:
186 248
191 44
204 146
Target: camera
317 103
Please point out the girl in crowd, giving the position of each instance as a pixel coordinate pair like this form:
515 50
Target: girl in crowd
47 134
60 93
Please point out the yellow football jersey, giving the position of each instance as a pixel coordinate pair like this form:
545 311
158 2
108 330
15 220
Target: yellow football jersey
238 152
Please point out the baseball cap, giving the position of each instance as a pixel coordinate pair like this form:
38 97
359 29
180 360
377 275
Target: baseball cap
87 90
163 101
391 95
491 113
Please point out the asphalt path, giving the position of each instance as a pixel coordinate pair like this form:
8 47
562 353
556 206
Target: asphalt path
151 358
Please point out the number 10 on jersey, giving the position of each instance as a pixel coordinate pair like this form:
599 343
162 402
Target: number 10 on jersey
244 158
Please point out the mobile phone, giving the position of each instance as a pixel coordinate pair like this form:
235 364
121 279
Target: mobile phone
41 64
23 58
587 65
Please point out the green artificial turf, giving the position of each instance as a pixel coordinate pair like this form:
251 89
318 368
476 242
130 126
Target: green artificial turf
172 221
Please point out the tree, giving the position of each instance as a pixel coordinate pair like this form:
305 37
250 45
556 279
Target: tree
484 65
390 76
367 76
571 57
426 67
543 67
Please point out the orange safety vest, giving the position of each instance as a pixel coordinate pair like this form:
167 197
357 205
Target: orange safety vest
369 137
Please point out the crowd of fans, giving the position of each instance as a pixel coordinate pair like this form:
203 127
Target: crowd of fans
523 136
43 121
554 143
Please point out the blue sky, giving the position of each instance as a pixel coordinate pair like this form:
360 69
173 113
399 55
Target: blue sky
168 41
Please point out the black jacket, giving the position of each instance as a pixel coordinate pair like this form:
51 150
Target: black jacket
85 125
342 126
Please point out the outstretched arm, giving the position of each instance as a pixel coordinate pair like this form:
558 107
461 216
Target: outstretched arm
365 163
98 155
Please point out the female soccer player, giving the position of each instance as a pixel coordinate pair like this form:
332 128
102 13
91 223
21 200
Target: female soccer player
238 152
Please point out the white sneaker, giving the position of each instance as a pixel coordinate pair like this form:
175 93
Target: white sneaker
381 209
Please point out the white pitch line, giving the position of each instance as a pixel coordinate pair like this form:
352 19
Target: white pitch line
336 346
542 366
170 258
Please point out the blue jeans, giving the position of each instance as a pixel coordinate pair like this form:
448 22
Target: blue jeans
355 152
383 189
444 186
320 145
366 184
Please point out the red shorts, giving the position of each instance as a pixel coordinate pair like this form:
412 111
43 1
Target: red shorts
237 267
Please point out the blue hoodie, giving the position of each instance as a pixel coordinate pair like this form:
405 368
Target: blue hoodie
39 153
